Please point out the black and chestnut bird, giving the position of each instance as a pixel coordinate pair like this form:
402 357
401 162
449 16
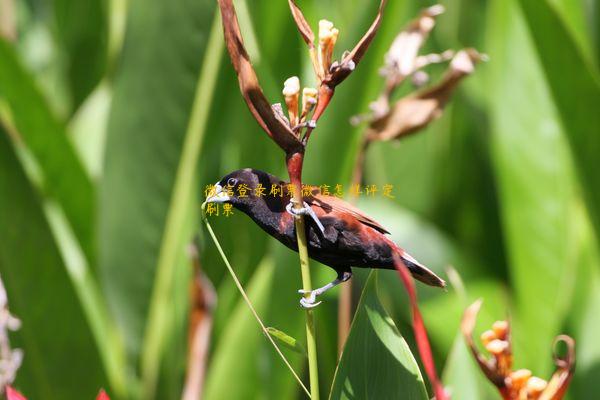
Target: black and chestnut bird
338 234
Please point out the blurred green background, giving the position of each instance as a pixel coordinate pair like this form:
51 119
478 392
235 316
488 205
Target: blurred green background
116 114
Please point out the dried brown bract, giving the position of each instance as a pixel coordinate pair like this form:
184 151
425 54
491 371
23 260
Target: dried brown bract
269 120
412 113
519 384
415 111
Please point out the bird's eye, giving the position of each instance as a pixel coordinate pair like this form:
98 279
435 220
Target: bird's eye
232 182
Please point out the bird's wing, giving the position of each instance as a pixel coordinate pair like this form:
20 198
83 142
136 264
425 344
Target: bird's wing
334 204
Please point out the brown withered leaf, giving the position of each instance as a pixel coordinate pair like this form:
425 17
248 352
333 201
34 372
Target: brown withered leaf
467 326
249 85
414 112
353 57
302 24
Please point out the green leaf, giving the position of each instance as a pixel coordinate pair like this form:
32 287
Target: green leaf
61 360
376 362
65 179
536 187
153 94
574 84
82 29
462 376
286 340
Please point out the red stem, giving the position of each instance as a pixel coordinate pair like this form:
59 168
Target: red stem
325 95
420 331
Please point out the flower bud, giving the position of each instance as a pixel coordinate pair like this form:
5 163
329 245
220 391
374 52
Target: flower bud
309 100
327 38
487 336
291 91
497 346
519 378
500 328
535 387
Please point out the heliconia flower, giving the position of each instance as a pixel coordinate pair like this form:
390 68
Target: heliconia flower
333 73
284 131
519 384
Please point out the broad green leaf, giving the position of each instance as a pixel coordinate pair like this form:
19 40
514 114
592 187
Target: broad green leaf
588 349
61 360
45 137
462 376
237 357
82 29
181 217
153 93
376 362
574 84
583 323
536 187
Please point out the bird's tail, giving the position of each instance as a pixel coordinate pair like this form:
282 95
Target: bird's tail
421 272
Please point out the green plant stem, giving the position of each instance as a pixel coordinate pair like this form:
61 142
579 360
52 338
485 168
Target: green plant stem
311 342
294 164
251 307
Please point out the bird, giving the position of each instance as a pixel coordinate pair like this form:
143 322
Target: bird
338 234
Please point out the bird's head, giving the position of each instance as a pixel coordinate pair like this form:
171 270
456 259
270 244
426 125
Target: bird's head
239 187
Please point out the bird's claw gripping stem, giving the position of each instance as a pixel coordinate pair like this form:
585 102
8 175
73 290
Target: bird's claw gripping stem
312 124
305 210
310 301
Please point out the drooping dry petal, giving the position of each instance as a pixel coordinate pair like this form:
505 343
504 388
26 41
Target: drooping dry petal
353 57
559 383
273 124
401 58
467 326
412 113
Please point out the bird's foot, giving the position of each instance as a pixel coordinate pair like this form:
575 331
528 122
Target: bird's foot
311 300
312 124
305 210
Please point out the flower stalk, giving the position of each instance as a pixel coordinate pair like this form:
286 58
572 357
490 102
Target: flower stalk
291 134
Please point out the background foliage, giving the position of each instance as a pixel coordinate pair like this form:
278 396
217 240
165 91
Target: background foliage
116 114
